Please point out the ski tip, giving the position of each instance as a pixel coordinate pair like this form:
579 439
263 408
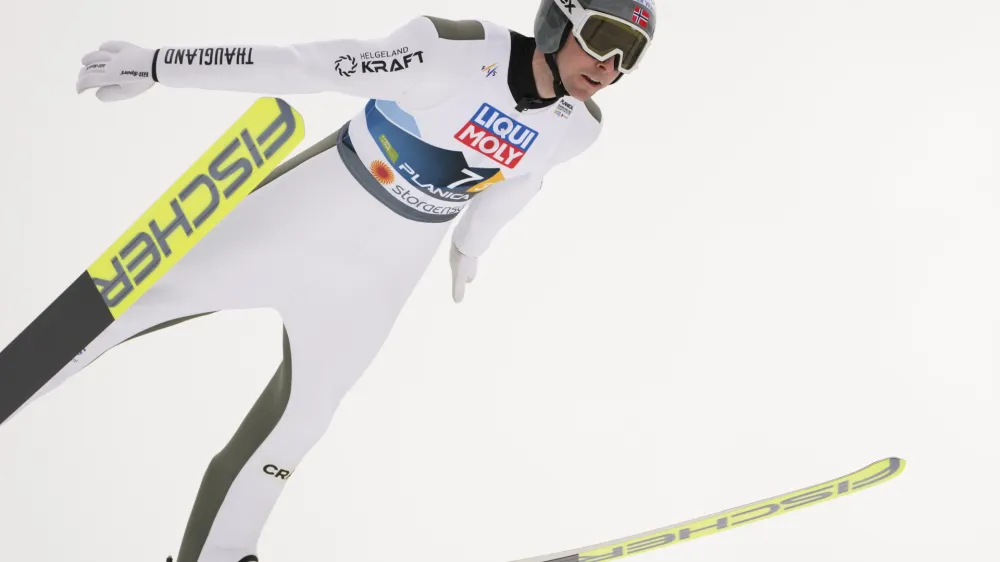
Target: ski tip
898 462
885 469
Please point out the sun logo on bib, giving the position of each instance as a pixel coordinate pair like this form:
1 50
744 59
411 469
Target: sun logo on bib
382 172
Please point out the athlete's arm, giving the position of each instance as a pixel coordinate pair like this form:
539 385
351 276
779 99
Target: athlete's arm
384 68
481 220
489 211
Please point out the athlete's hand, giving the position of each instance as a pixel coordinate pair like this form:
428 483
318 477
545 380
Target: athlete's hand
463 270
118 70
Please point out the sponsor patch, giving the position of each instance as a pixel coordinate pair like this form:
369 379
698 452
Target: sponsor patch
564 109
492 133
346 65
382 172
370 65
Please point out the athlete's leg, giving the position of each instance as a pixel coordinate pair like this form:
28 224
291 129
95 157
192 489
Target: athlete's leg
201 282
326 349
216 274
347 269
338 266
143 317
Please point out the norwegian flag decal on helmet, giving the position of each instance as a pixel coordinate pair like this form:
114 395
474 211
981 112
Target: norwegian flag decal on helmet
640 16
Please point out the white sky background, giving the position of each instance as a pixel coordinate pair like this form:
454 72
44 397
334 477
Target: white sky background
798 277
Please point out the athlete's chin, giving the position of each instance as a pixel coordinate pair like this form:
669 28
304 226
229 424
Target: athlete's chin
583 91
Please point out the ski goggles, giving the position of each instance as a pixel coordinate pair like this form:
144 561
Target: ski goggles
603 36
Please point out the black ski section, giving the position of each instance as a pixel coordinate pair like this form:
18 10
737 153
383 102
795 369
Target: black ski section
51 341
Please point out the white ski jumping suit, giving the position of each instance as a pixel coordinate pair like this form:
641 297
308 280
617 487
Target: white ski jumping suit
338 236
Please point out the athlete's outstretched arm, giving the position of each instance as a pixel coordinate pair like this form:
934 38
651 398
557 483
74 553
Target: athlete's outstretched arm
385 68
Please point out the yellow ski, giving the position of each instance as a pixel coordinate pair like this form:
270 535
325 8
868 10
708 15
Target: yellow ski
871 475
209 190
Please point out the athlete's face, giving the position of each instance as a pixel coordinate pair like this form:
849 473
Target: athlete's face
582 74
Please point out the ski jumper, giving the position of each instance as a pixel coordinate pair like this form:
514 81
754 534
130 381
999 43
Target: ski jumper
337 237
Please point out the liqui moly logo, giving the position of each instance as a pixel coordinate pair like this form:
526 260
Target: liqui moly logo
496 135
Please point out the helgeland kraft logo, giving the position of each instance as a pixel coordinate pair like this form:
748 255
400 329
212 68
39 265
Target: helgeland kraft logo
494 134
346 65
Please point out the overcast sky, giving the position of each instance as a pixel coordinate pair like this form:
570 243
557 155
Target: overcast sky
778 264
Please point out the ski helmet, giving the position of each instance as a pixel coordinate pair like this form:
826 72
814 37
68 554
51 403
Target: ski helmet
603 28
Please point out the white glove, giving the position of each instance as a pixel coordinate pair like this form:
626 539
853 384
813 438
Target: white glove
463 270
118 70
